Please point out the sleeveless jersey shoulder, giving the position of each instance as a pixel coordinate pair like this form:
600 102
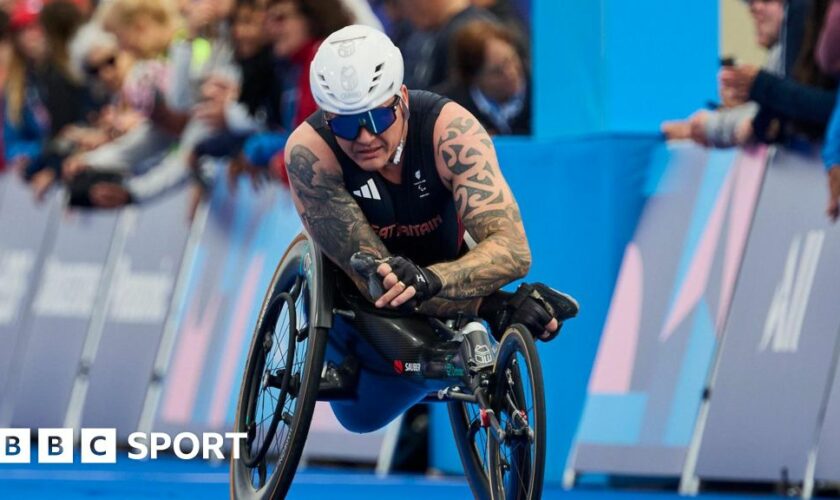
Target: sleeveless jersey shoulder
416 218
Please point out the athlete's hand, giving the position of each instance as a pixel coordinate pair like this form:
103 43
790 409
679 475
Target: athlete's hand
538 307
395 281
405 281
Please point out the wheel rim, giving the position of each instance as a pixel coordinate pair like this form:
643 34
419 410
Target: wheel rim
513 461
272 385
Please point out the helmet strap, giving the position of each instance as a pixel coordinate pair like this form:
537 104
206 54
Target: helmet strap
399 151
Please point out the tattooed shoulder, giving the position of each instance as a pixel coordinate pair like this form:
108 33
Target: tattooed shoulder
468 154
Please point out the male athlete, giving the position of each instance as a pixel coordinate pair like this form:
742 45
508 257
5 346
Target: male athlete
401 175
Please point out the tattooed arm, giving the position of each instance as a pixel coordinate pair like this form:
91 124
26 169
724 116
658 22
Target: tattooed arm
466 159
334 220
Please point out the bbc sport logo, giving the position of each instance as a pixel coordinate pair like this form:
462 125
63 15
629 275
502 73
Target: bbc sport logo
99 446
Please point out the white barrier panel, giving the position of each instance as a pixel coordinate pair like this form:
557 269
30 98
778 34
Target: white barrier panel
124 341
776 358
828 459
25 228
67 295
243 238
242 242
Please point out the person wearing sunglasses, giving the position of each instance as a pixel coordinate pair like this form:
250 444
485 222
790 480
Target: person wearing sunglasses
402 175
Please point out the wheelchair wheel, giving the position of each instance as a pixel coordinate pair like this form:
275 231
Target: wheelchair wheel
280 383
471 441
517 464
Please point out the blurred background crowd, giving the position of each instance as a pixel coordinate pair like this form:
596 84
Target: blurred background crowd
788 101
125 100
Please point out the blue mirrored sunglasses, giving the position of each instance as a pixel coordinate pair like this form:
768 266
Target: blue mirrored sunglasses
375 121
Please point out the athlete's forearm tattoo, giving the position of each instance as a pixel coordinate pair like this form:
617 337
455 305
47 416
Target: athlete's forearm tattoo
489 213
330 214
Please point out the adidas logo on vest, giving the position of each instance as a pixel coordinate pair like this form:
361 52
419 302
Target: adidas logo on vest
368 191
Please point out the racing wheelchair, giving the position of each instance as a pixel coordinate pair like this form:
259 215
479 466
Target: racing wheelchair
318 339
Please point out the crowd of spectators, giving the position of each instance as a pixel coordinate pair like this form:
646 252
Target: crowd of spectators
126 100
790 100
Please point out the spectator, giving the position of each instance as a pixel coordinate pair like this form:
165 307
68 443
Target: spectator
94 56
68 101
490 80
427 50
295 29
26 122
143 156
5 56
828 56
64 95
828 51
507 14
145 29
234 119
727 127
793 108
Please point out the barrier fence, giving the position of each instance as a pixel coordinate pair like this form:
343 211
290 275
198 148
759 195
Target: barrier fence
719 354
721 323
138 320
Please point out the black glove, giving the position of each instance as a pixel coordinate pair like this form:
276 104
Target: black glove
533 306
425 282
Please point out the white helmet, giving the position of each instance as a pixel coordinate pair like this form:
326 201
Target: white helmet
355 70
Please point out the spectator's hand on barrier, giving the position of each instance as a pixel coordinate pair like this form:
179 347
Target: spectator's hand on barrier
72 166
697 123
676 130
19 164
736 83
125 120
744 132
87 139
693 128
833 209
240 165
41 183
109 195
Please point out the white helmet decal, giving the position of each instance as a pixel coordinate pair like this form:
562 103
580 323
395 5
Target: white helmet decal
349 78
347 48
355 69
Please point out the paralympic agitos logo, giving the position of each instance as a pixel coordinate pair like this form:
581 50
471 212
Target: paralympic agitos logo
57 446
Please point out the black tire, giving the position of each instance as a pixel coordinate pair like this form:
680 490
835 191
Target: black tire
471 441
265 467
517 466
